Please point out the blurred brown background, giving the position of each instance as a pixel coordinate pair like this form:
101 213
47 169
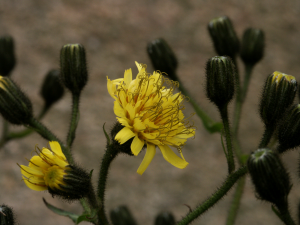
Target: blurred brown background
115 34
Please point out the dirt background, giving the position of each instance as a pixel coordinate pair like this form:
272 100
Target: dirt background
115 34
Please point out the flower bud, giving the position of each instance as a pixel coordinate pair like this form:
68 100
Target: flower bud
220 80
278 94
73 67
162 57
271 180
50 170
121 216
6 215
15 106
7 55
253 45
289 129
223 36
52 90
165 218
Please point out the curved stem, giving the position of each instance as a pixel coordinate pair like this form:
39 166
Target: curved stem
215 197
208 123
266 137
230 157
74 120
236 201
110 154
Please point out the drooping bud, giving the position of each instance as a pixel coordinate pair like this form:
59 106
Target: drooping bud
52 90
224 37
278 94
165 218
253 44
220 80
73 67
270 178
7 55
15 106
6 215
121 216
289 129
162 57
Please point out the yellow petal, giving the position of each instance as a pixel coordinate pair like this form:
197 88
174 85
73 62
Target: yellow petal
139 66
111 88
127 78
36 162
131 111
119 111
124 135
138 125
29 172
124 122
55 147
172 158
136 145
150 153
35 187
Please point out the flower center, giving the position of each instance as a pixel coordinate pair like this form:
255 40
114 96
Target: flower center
54 176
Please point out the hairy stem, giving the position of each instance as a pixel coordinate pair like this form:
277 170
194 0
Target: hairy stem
74 120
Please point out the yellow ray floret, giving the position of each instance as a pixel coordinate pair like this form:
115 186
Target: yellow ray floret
45 170
151 114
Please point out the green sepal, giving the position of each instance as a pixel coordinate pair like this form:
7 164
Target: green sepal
276 212
106 135
91 173
74 217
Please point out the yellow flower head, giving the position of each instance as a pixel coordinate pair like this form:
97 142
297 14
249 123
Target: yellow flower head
46 170
151 114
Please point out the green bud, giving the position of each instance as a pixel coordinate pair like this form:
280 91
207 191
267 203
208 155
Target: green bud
162 57
15 106
270 178
73 67
165 218
220 80
76 184
7 55
124 148
289 129
52 90
278 94
6 215
253 44
223 36
121 216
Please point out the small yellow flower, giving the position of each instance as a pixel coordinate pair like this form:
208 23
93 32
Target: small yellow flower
46 170
151 114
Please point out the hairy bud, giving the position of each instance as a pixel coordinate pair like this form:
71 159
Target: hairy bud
7 55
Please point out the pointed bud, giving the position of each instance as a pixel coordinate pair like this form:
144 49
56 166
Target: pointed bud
253 44
162 57
121 216
6 215
7 55
165 218
278 94
223 36
15 106
289 129
220 80
73 67
52 90
270 178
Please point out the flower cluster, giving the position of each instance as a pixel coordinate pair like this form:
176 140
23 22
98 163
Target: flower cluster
151 114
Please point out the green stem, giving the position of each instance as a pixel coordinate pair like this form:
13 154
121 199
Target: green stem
230 157
236 201
47 134
208 123
266 137
74 120
220 193
240 98
285 215
109 156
